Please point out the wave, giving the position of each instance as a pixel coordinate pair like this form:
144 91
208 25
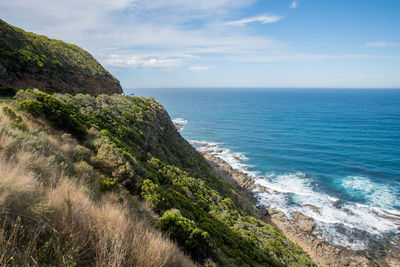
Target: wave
234 159
375 194
339 221
179 123
343 223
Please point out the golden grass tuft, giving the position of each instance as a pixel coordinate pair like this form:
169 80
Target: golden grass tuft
17 188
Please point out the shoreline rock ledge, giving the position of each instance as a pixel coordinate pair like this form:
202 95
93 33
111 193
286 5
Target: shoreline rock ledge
299 229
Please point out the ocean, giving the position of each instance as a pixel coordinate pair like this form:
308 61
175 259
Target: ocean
338 150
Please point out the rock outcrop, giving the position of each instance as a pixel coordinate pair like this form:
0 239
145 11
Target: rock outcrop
300 229
28 60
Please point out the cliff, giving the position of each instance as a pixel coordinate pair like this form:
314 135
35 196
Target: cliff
28 60
91 179
121 156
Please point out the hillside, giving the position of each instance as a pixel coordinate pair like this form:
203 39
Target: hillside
98 178
93 179
28 60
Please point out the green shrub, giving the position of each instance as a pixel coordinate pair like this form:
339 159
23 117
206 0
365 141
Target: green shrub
10 113
108 184
60 114
186 233
33 106
16 119
20 125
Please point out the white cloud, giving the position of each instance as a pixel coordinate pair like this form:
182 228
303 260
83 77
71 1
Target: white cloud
382 44
191 5
294 57
199 68
262 18
123 61
294 4
72 20
139 26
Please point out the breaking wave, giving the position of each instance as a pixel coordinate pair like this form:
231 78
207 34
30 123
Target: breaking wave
179 123
340 222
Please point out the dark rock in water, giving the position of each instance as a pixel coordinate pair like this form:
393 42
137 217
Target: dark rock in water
179 124
313 208
28 60
262 189
238 157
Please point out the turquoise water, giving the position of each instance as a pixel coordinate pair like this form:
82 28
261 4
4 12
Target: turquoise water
338 150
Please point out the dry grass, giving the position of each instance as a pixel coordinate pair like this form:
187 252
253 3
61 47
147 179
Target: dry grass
52 214
65 145
17 188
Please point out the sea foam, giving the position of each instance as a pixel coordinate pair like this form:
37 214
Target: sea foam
339 222
375 194
179 123
342 223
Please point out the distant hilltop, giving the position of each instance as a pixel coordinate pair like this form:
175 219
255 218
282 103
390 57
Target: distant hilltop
29 60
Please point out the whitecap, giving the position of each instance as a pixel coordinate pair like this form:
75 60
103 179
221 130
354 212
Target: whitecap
373 193
293 191
179 123
341 223
235 159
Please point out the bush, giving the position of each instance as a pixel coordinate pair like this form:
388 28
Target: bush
32 106
16 119
62 115
11 114
108 184
186 233
20 125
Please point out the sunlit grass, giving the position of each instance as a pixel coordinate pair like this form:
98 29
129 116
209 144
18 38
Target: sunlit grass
6 100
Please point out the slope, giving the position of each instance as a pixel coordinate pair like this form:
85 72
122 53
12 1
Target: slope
130 145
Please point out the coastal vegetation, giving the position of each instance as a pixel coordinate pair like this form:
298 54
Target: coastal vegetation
109 180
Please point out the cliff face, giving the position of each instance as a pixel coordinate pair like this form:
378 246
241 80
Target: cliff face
28 60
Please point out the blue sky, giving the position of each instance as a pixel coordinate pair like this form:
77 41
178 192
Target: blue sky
222 43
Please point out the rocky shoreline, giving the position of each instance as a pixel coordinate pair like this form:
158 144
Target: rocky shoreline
300 229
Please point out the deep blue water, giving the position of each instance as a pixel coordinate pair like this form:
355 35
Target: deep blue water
336 149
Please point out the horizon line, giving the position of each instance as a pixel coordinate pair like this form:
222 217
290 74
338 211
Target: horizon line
243 87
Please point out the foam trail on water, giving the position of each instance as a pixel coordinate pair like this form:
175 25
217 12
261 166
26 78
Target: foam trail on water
341 223
375 194
234 159
179 123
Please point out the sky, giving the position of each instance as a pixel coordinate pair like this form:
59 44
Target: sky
227 43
